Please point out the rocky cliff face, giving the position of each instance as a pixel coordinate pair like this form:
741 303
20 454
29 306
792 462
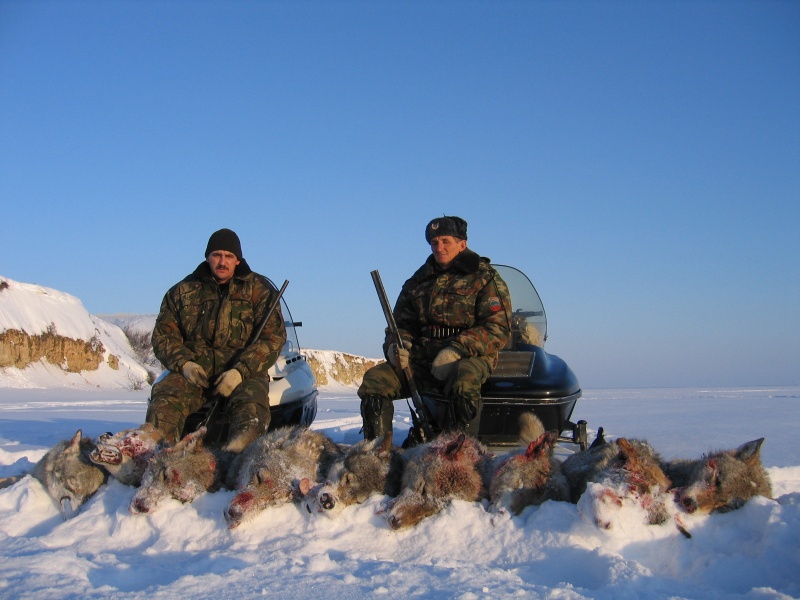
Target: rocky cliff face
19 349
332 367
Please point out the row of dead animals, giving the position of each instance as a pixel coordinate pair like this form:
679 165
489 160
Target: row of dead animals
296 464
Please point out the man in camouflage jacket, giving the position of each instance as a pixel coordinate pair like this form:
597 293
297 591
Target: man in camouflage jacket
201 336
454 316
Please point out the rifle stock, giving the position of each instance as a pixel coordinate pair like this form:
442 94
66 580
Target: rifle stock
420 416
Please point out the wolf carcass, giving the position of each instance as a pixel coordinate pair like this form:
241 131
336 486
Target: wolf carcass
623 472
368 467
452 466
67 474
125 454
721 481
269 471
530 475
183 472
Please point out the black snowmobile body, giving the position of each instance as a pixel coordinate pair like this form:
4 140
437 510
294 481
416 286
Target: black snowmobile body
526 377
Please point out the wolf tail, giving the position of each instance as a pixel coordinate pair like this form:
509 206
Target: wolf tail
530 428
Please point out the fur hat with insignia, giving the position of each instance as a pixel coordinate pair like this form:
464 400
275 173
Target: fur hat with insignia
224 239
453 226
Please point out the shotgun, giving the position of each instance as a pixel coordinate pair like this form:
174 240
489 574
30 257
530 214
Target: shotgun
420 415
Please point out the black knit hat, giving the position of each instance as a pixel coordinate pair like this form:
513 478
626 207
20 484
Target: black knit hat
224 239
453 226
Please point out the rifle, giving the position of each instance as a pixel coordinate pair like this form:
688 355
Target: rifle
215 407
420 415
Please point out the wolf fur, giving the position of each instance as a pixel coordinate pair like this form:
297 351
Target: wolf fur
125 454
366 468
183 472
529 475
720 481
452 466
624 472
269 471
67 474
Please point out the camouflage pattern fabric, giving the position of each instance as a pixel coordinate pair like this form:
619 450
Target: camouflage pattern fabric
471 299
470 296
382 385
211 324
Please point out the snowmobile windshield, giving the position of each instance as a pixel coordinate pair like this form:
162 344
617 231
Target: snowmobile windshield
529 322
292 344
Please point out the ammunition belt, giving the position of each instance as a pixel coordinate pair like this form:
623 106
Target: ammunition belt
442 332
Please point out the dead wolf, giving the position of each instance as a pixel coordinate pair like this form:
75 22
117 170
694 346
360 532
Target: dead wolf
529 475
621 472
269 471
183 472
720 481
452 466
67 474
368 467
125 454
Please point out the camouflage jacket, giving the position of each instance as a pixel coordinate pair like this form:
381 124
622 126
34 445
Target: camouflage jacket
470 298
199 321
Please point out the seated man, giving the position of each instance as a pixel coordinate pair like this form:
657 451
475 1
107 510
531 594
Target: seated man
202 335
454 315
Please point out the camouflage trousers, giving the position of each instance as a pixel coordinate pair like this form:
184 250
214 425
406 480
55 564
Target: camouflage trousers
382 385
173 399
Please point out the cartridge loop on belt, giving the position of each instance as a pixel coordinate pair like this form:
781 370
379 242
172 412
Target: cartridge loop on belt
442 332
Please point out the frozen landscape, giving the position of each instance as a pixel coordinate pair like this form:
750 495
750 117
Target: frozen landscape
549 551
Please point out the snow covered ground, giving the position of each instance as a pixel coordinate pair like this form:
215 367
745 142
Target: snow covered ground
549 551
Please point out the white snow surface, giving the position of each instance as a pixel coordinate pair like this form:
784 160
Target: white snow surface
549 551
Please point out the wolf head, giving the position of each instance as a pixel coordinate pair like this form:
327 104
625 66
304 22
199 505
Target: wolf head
271 468
368 467
68 475
125 454
724 481
182 472
450 467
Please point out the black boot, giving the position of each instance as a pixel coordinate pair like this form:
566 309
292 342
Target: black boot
376 413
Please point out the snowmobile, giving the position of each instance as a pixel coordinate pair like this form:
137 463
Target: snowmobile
526 377
292 390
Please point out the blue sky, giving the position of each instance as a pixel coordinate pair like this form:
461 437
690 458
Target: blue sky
640 161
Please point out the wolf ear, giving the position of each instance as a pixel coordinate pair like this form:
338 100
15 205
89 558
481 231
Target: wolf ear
541 446
750 452
75 442
452 449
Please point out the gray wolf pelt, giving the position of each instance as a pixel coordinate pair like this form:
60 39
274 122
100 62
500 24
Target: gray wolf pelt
529 475
366 468
720 481
451 467
125 454
269 471
67 474
183 472
621 473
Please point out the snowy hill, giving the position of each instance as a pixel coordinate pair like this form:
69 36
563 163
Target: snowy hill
48 339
